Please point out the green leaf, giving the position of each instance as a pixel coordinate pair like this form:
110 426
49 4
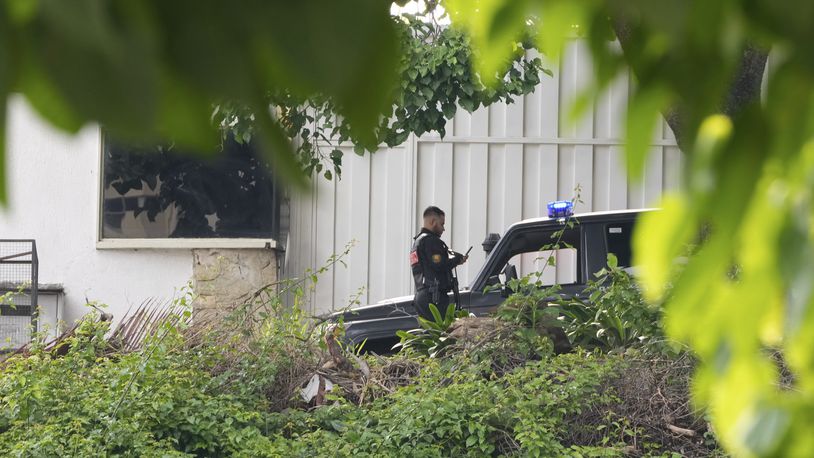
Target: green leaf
612 261
435 313
581 104
644 112
658 240
185 117
336 156
5 86
713 135
495 26
427 324
86 34
449 110
46 99
22 11
399 138
766 430
449 317
467 104
276 148
363 58
557 22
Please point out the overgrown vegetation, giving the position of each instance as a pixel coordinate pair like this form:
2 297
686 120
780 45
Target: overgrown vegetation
432 337
173 385
611 314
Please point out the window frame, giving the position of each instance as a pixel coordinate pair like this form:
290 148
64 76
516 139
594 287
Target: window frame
544 255
493 263
165 243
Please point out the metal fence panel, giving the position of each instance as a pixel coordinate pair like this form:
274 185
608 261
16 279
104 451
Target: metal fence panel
496 166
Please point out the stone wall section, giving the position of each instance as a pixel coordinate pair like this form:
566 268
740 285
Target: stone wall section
226 278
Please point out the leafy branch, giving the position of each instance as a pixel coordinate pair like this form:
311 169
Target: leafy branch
436 77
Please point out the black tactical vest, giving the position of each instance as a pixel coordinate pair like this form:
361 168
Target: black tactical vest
420 259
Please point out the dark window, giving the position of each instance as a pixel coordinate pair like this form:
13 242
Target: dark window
164 192
618 241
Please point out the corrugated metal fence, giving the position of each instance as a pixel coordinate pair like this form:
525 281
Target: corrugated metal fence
496 166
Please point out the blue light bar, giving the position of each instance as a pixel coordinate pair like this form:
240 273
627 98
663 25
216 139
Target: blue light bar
560 209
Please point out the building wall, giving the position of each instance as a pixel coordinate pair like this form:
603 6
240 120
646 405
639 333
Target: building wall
53 186
495 166
53 182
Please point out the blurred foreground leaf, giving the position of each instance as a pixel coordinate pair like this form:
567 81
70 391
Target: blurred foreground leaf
149 71
732 251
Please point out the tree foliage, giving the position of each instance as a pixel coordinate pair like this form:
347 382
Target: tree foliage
436 76
748 183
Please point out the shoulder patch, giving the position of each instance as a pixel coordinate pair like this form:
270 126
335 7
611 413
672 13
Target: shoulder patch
436 258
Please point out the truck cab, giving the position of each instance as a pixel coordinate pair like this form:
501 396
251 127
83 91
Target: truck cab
578 244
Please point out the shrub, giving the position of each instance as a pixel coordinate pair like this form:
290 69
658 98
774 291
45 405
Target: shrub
433 335
611 314
460 413
145 403
259 352
230 390
169 400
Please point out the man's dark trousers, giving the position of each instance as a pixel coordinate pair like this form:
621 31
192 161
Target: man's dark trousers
423 299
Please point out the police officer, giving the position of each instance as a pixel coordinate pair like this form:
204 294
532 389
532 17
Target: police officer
432 263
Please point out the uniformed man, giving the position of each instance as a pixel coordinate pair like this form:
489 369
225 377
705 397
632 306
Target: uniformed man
432 263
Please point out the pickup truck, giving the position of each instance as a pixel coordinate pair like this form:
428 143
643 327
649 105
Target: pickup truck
585 241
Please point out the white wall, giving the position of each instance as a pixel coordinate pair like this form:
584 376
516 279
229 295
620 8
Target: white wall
496 166
53 184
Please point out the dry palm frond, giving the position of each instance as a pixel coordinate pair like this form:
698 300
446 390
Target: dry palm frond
127 336
149 316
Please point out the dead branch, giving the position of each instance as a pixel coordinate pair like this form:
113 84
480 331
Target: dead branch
682 431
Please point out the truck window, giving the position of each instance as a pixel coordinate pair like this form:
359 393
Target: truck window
562 269
529 252
618 241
